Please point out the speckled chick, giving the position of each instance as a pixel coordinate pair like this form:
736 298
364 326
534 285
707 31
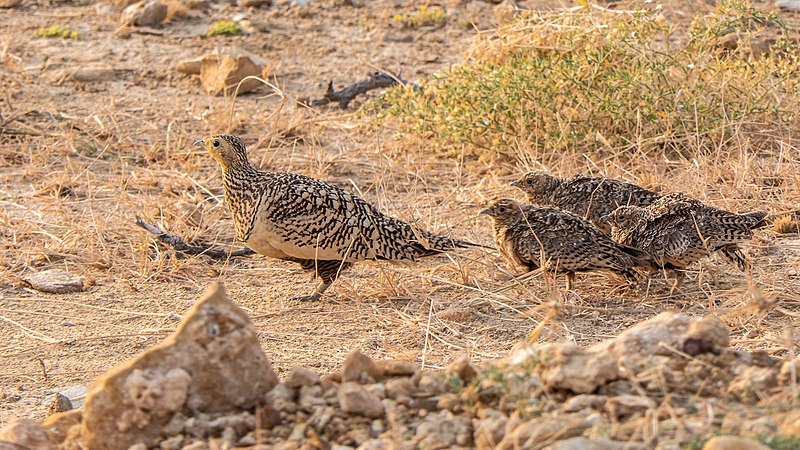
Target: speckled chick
322 227
531 237
677 230
588 197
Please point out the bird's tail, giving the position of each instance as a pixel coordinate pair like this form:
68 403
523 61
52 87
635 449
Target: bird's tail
640 258
759 219
433 243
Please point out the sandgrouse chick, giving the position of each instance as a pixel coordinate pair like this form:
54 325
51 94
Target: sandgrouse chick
532 236
588 197
677 231
322 227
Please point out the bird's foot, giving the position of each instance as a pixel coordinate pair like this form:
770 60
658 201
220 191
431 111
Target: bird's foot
307 298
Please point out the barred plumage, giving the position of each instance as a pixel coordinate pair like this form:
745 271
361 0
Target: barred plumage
588 197
532 236
677 231
322 227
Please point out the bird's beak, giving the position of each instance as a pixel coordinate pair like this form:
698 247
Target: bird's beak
199 143
485 211
605 218
516 184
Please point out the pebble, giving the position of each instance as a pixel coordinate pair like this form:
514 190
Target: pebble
354 399
55 281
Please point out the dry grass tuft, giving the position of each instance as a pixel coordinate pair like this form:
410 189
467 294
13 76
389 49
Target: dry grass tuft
786 225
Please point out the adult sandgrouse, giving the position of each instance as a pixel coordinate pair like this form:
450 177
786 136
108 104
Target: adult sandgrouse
322 227
532 237
677 231
588 197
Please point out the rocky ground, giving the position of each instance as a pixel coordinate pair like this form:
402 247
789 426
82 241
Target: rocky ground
670 382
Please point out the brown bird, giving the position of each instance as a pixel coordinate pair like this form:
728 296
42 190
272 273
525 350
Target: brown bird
676 231
533 237
317 225
588 197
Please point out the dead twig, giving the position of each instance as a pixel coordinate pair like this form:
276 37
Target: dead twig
376 80
178 244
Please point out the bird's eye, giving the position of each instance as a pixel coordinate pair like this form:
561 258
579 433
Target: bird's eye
502 209
528 181
215 143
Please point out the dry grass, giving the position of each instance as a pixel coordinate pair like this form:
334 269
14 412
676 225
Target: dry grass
74 174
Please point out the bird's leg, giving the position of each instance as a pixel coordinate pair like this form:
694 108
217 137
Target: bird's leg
678 280
570 277
318 291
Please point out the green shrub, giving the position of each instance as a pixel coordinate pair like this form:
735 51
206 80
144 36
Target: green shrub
224 28
619 79
424 17
57 31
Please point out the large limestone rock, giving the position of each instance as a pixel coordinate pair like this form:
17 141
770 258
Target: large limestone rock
566 366
212 363
655 341
222 70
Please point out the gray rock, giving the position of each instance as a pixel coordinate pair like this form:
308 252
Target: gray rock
300 376
444 430
212 363
54 281
146 13
354 399
581 443
791 5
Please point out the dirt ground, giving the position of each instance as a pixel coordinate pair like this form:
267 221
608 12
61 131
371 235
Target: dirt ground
78 160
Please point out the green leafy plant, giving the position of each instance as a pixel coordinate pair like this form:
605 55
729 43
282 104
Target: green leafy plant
224 28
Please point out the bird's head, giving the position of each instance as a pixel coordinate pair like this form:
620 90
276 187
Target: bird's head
537 185
623 217
505 212
229 151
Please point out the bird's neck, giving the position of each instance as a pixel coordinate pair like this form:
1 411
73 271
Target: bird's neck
243 195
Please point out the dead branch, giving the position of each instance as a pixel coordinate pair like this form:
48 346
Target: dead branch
178 244
376 80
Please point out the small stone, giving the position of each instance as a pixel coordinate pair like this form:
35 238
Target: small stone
450 402
752 383
582 443
790 369
431 383
29 433
626 405
584 401
791 423
360 368
300 376
566 366
464 368
444 430
189 66
706 335
397 388
790 5
281 397
254 3
146 13
490 428
59 404
761 426
543 429
310 397
92 74
9 3
354 399
733 443
54 281
104 9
